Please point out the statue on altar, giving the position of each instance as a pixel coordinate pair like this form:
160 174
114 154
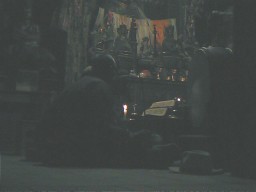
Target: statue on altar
145 48
169 45
121 42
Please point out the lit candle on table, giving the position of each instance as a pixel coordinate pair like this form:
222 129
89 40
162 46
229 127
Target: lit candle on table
125 107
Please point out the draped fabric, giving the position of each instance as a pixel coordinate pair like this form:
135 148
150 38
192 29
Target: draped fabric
100 17
74 18
145 27
160 27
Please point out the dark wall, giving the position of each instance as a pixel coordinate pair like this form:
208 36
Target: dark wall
162 9
245 38
221 5
245 64
11 14
202 33
43 11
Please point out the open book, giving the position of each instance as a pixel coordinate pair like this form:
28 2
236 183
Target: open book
159 108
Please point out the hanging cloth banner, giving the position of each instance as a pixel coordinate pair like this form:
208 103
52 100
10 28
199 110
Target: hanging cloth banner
100 18
160 27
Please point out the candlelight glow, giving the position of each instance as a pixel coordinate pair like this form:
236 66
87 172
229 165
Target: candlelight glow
125 107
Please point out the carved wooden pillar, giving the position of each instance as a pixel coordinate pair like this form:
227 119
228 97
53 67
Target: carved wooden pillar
133 42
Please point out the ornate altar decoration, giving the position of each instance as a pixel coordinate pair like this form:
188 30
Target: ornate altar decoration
137 42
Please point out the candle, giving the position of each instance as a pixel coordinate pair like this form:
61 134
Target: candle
125 107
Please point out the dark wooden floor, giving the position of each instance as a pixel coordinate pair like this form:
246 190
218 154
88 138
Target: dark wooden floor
20 175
